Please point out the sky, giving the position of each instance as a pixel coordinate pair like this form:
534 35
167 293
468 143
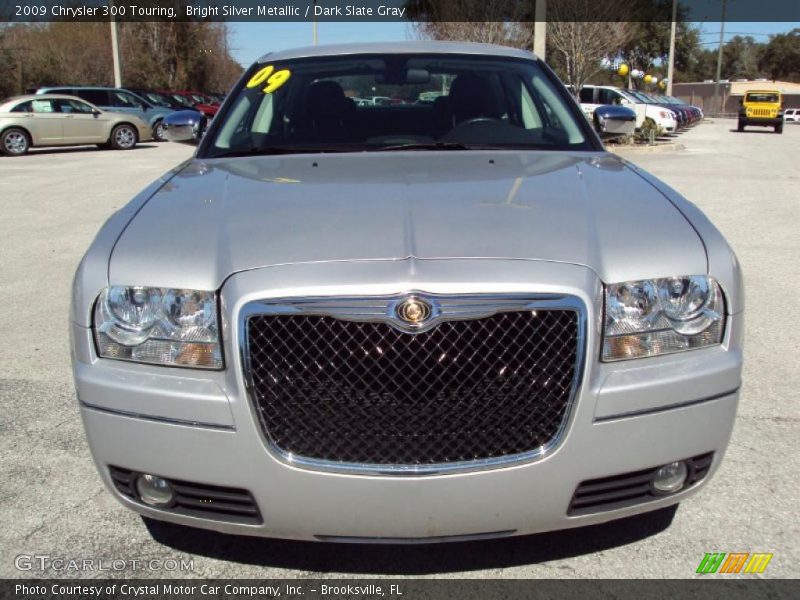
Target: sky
249 41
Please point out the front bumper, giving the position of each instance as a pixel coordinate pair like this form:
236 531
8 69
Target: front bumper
199 426
765 121
145 132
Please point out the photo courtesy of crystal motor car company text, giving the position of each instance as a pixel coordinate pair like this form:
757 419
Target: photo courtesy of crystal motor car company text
375 323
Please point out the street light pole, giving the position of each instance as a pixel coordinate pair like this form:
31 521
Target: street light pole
540 28
716 103
671 62
115 54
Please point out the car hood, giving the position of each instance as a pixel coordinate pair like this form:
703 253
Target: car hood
217 217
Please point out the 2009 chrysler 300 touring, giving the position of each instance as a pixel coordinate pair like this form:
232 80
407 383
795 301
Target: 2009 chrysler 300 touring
450 315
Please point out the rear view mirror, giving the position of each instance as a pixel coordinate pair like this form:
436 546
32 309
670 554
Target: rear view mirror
185 126
418 76
612 121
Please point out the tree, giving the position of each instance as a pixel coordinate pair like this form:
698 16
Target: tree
648 44
486 21
781 57
176 55
579 43
740 57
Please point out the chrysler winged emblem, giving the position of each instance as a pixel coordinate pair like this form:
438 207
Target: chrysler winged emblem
413 311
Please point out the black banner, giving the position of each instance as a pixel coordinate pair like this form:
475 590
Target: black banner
398 589
395 10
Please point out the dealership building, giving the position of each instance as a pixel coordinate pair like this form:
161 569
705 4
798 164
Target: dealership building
702 93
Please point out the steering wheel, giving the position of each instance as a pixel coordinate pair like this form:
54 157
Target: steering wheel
475 120
469 128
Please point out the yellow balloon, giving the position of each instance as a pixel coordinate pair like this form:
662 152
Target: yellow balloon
648 78
662 85
623 70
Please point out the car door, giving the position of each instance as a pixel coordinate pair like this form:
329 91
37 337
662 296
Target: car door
46 122
588 102
611 96
83 124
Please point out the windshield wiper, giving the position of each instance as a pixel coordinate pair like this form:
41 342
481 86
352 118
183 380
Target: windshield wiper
276 150
426 146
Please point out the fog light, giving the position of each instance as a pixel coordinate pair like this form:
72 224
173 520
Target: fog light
155 491
670 478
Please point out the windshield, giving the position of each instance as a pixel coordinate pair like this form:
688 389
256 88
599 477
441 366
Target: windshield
397 102
640 97
762 97
182 101
156 99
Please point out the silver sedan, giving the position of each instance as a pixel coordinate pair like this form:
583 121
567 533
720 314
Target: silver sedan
409 321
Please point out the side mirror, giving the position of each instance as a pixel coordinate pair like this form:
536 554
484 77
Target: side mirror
95 113
185 126
613 121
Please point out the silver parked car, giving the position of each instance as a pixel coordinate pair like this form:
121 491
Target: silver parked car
408 322
58 120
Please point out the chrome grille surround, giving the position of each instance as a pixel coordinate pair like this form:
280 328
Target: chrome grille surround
382 309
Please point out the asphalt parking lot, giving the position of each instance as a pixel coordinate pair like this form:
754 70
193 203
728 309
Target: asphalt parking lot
53 503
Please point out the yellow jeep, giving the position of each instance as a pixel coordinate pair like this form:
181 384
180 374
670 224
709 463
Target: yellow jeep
762 107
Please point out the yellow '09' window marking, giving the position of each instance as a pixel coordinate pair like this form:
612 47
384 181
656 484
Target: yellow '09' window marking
274 79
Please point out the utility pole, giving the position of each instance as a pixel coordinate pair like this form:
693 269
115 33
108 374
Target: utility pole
115 53
716 104
540 28
671 63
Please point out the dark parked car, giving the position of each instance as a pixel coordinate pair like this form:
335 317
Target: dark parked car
196 100
159 99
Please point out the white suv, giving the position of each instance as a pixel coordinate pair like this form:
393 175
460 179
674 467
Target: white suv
592 96
791 115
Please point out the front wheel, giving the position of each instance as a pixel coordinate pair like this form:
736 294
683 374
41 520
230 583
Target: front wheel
779 128
741 126
123 137
159 131
14 142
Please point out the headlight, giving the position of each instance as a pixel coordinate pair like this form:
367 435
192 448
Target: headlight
160 326
660 316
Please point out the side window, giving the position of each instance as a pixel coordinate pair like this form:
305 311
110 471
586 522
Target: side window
25 107
605 96
73 106
123 100
98 97
42 106
587 95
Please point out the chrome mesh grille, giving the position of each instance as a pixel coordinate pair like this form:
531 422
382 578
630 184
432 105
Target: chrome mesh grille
367 393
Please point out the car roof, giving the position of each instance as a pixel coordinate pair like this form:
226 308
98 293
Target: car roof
81 87
27 97
407 47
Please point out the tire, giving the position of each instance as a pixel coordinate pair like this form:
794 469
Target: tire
14 142
158 131
779 128
124 137
741 126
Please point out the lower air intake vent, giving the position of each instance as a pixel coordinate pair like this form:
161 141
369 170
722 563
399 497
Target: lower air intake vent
196 499
629 489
